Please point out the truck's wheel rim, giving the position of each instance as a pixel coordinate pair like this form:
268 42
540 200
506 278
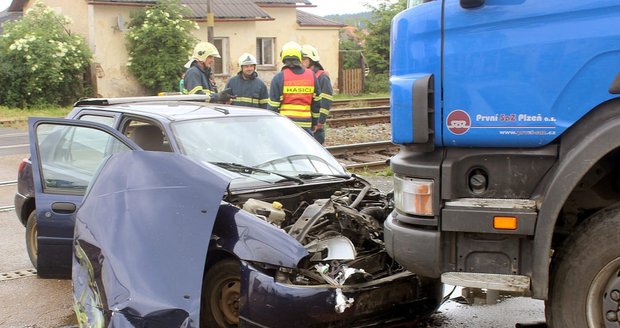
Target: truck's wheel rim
603 302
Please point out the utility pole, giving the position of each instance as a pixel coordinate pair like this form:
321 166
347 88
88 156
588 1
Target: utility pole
210 22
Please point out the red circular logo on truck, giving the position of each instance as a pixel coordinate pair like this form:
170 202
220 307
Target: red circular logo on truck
458 122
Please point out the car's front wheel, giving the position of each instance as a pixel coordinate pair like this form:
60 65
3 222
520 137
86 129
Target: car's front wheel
585 281
220 295
32 244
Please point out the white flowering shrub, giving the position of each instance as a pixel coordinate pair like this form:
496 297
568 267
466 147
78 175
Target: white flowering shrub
159 42
41 62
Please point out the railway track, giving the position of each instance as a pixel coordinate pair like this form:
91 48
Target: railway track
7 208
362 112
365 156
361 102
346 117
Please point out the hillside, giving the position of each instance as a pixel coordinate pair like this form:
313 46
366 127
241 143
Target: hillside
358 20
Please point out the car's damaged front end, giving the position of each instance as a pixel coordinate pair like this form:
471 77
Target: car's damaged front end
345 280
163 241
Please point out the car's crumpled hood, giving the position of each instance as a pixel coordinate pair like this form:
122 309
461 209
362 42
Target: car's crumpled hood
145 205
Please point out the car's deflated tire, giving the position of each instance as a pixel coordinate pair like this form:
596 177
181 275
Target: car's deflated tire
585 278
31 237
220 295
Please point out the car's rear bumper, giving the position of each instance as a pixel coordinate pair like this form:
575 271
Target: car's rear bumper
383 302
19 202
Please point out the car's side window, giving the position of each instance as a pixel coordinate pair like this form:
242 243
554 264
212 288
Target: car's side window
147 135
105 120
70 155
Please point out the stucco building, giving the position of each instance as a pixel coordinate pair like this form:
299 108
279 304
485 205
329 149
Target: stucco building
260 27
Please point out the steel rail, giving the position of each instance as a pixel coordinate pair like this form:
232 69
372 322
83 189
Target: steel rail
362 148
376 165
358 121
352 153
367 101
7 208
361 111
8 183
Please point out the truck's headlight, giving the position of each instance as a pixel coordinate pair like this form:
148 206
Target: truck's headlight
413 196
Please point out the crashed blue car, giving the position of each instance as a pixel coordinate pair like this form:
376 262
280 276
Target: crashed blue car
224 216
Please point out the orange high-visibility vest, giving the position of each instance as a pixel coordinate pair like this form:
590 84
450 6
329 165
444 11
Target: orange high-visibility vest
297 97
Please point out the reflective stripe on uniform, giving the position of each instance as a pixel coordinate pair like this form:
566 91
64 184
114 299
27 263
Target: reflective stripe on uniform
246 100
294 113
326 96
195 89
295 107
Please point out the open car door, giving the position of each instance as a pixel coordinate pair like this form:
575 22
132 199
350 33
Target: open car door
65 156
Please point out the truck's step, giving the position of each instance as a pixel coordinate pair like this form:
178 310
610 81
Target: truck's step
505 282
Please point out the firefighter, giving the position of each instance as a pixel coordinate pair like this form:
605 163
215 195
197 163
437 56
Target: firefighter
249 90
310 60
198 79
294 91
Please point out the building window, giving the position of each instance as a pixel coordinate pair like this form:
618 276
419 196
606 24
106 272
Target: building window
265 51
221 64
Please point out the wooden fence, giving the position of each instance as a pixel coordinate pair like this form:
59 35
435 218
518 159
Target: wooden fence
352 81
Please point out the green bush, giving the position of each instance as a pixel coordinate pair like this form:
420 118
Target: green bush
159 42
41 62
377 83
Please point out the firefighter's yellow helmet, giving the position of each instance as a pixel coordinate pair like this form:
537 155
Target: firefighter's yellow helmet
291 50
309 51
205 49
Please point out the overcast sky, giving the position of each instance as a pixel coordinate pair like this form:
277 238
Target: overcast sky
324 7
328 7
4 4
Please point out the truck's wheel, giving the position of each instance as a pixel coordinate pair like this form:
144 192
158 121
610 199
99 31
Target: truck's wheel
32 245
585 278
220 295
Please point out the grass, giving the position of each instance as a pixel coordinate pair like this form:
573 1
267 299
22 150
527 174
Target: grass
18 118
386 172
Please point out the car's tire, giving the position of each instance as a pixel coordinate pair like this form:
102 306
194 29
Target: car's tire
220 295
585 272
32 244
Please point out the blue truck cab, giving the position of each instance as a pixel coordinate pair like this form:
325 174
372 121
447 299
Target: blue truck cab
507 113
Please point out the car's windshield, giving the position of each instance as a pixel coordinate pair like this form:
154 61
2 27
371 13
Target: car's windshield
270 143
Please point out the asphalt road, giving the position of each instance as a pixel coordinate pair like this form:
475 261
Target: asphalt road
29 302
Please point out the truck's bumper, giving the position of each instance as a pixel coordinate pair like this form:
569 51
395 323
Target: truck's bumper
417 248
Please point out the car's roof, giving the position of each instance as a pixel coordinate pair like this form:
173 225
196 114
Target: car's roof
170 108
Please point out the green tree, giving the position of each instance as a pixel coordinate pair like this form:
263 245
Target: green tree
351 48
159 41
41 62
378 38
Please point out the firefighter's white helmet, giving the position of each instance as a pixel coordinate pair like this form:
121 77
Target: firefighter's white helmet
310 52
247 59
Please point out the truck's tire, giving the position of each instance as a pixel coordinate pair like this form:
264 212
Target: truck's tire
584 288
